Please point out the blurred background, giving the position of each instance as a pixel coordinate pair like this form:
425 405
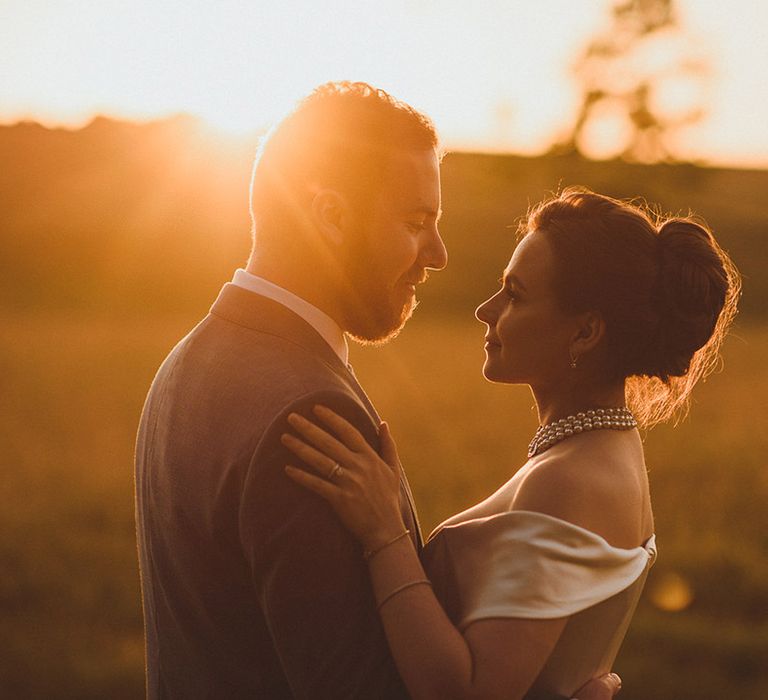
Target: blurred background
127 131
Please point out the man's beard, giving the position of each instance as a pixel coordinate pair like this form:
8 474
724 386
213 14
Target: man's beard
377 325
374 314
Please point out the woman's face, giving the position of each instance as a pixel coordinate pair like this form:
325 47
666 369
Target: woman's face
528 337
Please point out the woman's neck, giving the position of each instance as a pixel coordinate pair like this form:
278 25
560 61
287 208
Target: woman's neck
554 404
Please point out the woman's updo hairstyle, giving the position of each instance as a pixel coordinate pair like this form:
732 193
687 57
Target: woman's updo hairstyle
664 287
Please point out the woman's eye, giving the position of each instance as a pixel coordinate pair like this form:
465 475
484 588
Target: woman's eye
508 291
416 225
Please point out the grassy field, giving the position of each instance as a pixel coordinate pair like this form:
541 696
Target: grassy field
71 393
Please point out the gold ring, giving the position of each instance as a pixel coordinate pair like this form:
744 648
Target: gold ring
337 470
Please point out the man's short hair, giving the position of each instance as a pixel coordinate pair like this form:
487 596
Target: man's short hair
339 136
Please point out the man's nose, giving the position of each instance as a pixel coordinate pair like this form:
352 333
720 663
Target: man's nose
434 254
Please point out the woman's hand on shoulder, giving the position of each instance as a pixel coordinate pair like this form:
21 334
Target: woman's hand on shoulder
602 688
362 487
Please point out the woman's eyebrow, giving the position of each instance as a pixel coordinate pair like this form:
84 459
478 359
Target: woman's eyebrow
513 279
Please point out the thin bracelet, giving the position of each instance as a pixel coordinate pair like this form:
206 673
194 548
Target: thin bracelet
368 553
402 588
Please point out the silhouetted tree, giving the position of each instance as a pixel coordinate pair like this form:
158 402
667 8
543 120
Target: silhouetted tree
633 72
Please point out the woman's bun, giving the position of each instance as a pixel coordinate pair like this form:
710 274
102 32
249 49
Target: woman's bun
690 294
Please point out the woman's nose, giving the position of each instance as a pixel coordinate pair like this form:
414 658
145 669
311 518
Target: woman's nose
484 312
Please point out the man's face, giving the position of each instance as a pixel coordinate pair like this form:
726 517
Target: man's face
397 244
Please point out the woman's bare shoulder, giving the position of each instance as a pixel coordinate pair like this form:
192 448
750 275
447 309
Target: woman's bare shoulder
595 481
497 502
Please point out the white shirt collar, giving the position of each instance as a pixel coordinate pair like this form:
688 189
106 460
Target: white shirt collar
319 320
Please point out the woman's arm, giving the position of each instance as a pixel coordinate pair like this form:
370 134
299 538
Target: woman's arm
492 658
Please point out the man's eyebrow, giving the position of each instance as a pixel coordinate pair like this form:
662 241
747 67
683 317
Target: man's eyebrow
428 211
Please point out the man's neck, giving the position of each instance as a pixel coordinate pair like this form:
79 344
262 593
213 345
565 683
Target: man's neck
325 326
309 285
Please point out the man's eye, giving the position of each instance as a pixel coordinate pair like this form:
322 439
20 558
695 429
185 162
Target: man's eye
416 225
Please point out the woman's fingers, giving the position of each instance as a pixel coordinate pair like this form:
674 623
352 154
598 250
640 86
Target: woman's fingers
389 448
346 432
319 438
322 487
603 687
320 462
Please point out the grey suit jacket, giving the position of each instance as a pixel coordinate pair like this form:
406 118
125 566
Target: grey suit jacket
251 587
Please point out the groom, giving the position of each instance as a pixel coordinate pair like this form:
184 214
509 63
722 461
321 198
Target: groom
251 587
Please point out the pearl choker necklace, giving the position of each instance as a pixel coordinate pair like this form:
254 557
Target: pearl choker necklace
595 419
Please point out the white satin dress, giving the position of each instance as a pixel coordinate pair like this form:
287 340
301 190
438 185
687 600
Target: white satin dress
492 562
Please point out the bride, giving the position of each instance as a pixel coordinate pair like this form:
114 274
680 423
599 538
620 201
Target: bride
610 317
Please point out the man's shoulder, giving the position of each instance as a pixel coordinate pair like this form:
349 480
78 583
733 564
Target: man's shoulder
251 375
269 358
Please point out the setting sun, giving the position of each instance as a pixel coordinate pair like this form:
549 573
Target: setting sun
494 77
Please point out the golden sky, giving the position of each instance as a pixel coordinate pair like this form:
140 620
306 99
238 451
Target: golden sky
494 74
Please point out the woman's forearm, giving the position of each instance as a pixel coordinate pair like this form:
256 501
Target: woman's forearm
432 656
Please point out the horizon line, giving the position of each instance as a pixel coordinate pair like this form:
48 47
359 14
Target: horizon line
463 146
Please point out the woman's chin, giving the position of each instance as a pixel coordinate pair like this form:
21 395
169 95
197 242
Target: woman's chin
492 374
497 375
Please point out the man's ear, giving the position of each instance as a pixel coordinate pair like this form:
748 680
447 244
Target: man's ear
589 332
331 215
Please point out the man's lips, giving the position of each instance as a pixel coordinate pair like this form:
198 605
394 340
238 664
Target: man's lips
412 283
417 279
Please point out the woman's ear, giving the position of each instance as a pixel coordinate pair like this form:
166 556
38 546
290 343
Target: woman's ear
330 214
589 333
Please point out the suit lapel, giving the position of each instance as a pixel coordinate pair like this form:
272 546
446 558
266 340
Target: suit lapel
410 515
